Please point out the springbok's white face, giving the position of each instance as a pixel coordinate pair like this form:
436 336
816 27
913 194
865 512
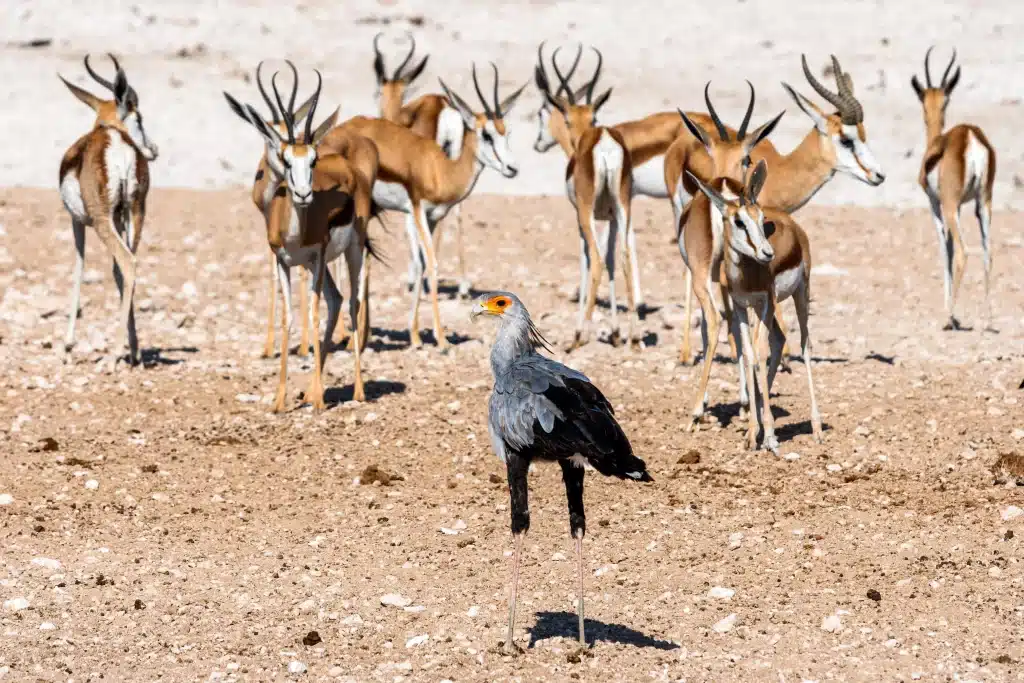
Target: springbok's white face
132 122
845 141
289 159
493 148
742 218
545 139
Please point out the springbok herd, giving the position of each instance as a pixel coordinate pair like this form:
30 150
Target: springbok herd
733 195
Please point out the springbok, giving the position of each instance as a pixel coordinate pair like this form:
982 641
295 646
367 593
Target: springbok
599 184
766 259
104 180
430 116
264 186
416 177
317 213
837 143
959 166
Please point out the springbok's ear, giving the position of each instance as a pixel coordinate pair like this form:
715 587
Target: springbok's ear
121 92
918 87
710 193
325 127
459 104
757 178
810 108
269 133
695 130
952 82
601 100
555 102
303 111
415 73
84 96
510 101
761 133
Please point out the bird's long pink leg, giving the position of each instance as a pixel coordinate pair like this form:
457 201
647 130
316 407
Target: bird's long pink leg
513 593
579 565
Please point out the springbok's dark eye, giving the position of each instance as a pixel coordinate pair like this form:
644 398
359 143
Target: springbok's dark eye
487 137
846 142
745 163
769 228
737 222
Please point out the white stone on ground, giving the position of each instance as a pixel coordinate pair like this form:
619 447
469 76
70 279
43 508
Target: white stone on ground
721 593
832 624
395 600
725 625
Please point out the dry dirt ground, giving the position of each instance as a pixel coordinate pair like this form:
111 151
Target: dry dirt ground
160 523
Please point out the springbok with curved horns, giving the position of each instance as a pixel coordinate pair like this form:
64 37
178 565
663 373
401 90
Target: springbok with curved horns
416 177
317 214
430 116
104 180
959 166
264 187
837 143
599 183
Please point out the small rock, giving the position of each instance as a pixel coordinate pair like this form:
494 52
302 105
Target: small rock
832 624
417 640
46 563
247 398
454 406
861 430
558 557
459 525
494 478
725 625
46 445
891 643
690 457
6 499
874 595
47 626
1011 512
395 600
16 604
834 467
92 484
139 604
1018 434
721 593
312 638
473 611
353 620
791 456
995 572
735 539
296 667
307 605
335 672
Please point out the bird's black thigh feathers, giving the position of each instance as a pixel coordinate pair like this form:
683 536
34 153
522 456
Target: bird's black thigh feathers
572 475
517 467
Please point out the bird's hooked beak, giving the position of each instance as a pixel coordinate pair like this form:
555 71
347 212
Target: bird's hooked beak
479 309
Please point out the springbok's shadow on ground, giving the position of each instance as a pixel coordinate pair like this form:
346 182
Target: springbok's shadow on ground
397 340
642 311
155 356
374 390
566 625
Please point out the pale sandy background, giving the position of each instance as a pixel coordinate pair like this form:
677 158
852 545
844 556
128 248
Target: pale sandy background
657 56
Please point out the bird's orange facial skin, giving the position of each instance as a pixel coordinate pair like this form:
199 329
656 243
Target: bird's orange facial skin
497 305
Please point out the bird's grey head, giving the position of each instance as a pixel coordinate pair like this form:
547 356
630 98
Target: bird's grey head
515 328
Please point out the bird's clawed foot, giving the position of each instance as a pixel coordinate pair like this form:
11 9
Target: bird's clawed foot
577 655
953 324
508 649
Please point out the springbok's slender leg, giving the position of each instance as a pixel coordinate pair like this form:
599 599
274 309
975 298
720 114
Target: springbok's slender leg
268 344
362 326
802 299
359 309
741 314
284 276
427 244
709 327
955 256
983 211
685 352
124 261
609 264
315 393
304 311
76 283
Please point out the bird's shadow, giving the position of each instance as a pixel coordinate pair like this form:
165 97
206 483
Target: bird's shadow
566 625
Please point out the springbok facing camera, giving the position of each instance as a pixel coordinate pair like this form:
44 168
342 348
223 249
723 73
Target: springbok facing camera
315 216
959 166
104 180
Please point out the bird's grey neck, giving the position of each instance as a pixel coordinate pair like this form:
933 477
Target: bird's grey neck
513 342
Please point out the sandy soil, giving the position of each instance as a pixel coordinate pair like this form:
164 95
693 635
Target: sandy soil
160 523
180 55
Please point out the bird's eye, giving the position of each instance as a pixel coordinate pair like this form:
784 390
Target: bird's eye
501 303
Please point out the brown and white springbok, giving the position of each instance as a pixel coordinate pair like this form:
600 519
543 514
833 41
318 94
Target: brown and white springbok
837 143
317 214
264 186
416 177
430 116
104 180
765 259
959 166
599 184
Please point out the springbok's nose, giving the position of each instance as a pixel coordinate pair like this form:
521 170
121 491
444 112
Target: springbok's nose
879 178
511 171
